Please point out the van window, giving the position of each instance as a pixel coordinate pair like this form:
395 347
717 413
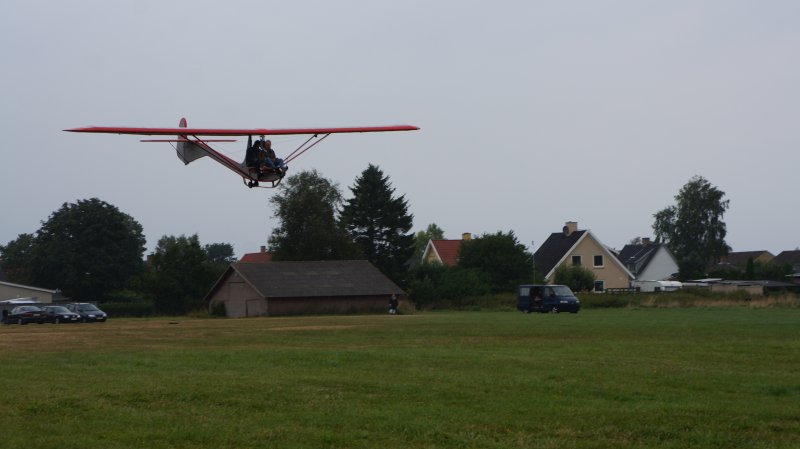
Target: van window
561 290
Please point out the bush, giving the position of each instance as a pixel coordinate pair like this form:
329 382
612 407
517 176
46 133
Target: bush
688 297
434 284
576 277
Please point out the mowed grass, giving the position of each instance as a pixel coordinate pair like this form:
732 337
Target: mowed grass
621 378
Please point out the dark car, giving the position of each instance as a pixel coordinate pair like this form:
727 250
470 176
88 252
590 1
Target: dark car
25 315
547 298
87 311
60 314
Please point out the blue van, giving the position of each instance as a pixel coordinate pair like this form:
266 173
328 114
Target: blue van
547 298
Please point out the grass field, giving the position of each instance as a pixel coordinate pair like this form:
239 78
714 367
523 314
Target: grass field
605 378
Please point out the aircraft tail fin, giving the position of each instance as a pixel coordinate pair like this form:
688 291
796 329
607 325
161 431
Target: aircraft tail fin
188 151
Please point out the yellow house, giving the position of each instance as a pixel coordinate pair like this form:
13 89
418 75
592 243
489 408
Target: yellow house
572 246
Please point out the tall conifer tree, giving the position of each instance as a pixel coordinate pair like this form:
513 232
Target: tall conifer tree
380 223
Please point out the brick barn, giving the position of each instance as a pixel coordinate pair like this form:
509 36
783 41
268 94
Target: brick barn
304 287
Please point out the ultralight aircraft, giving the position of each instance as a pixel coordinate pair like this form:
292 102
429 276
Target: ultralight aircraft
191 144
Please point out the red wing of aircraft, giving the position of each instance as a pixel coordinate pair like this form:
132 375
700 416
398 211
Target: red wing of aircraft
191 144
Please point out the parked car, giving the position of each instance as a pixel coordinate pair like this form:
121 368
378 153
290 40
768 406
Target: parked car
87 311
547 298
60 314
25 315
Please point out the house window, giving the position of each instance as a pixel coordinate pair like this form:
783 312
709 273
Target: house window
598 261
599 286
576 260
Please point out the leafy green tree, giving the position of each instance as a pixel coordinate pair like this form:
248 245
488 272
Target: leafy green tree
693 228
379 223
15 259
501 257
309 229
219 256
421 238
576 277
87 249
179 275
220 253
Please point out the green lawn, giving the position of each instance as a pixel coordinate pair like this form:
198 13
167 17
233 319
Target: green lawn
604 378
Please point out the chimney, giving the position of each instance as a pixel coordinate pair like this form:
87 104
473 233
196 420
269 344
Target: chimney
645 241
570 227
263 249
467 236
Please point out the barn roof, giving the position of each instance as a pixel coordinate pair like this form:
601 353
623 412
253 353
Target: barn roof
305 279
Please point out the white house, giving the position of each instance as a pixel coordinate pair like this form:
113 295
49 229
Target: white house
649 261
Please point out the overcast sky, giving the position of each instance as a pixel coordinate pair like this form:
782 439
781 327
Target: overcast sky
532 113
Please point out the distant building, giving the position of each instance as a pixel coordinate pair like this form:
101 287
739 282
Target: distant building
444 252
262 256
738 259
14 291
649 261
572 246
789 257
303 287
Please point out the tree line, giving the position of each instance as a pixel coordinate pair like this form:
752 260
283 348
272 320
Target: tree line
94 252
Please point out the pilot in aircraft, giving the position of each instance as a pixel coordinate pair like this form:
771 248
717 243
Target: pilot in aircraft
270 159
